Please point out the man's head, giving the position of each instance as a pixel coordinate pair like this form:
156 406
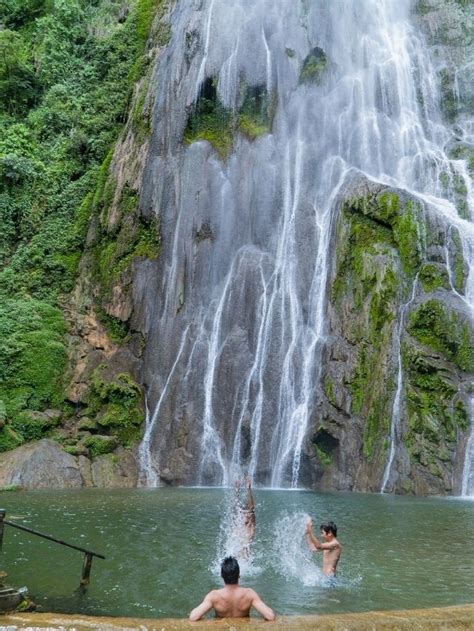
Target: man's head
230 571
329 530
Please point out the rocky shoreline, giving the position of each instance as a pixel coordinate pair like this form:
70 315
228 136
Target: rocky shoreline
452 618
44 465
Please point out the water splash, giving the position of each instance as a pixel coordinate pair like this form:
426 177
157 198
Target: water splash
292 557
233 539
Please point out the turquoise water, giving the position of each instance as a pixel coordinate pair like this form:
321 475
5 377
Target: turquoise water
163 547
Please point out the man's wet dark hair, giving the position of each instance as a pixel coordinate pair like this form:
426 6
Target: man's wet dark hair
330 526
230 571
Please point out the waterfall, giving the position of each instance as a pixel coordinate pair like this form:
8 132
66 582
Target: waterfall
237 318
397 402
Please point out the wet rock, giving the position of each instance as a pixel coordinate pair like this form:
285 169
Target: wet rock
117 470
379 256
40 465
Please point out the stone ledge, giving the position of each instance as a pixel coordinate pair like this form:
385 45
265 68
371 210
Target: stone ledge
446 618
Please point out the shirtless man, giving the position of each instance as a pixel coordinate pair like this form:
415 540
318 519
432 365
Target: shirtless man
232 601
250 520
331 548
244 519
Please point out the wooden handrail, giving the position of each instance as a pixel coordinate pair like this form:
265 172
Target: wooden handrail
88 554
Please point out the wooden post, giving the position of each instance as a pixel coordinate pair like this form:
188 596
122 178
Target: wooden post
2 525
86 569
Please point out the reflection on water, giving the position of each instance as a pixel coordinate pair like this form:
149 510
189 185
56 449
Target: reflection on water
163 548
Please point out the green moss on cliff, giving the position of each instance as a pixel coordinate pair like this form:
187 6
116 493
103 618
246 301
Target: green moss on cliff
328 387
433 277
433 417
80 62
324 458
99 445
368 284
314 66
448 102
355 271
370 397
377 234
434 414
463 151
212 122
116 404
459 271
383 218
408 236
32 362
255 115
435 326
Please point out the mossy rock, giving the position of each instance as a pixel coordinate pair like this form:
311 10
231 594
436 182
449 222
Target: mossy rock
433 276
399 218
314 66
436 326
209 120
87 424
463 151
99 445
116 405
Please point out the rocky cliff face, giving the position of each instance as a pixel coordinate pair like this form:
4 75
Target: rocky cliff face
392 410
107 322
392 306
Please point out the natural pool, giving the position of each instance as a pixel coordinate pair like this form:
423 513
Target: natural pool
163 546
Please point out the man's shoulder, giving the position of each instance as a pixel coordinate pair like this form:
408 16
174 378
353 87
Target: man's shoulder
251 593
213 594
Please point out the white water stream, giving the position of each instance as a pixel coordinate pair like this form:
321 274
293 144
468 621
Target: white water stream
239 321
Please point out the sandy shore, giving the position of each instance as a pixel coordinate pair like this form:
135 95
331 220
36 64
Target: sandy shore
459 617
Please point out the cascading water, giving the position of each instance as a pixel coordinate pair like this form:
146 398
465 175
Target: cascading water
397 402
237 331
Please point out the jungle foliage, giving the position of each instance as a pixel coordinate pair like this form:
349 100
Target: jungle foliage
67 71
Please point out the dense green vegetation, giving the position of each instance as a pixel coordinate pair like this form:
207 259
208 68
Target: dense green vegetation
67 71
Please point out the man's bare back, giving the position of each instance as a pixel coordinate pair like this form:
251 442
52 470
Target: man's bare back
232 601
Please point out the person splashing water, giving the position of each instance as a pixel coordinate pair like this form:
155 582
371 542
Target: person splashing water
331 548
237 529
246 520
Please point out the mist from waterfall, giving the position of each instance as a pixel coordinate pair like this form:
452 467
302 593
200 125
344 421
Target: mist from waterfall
239 327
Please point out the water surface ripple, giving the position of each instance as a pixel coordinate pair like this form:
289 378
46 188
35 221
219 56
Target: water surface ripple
162 549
